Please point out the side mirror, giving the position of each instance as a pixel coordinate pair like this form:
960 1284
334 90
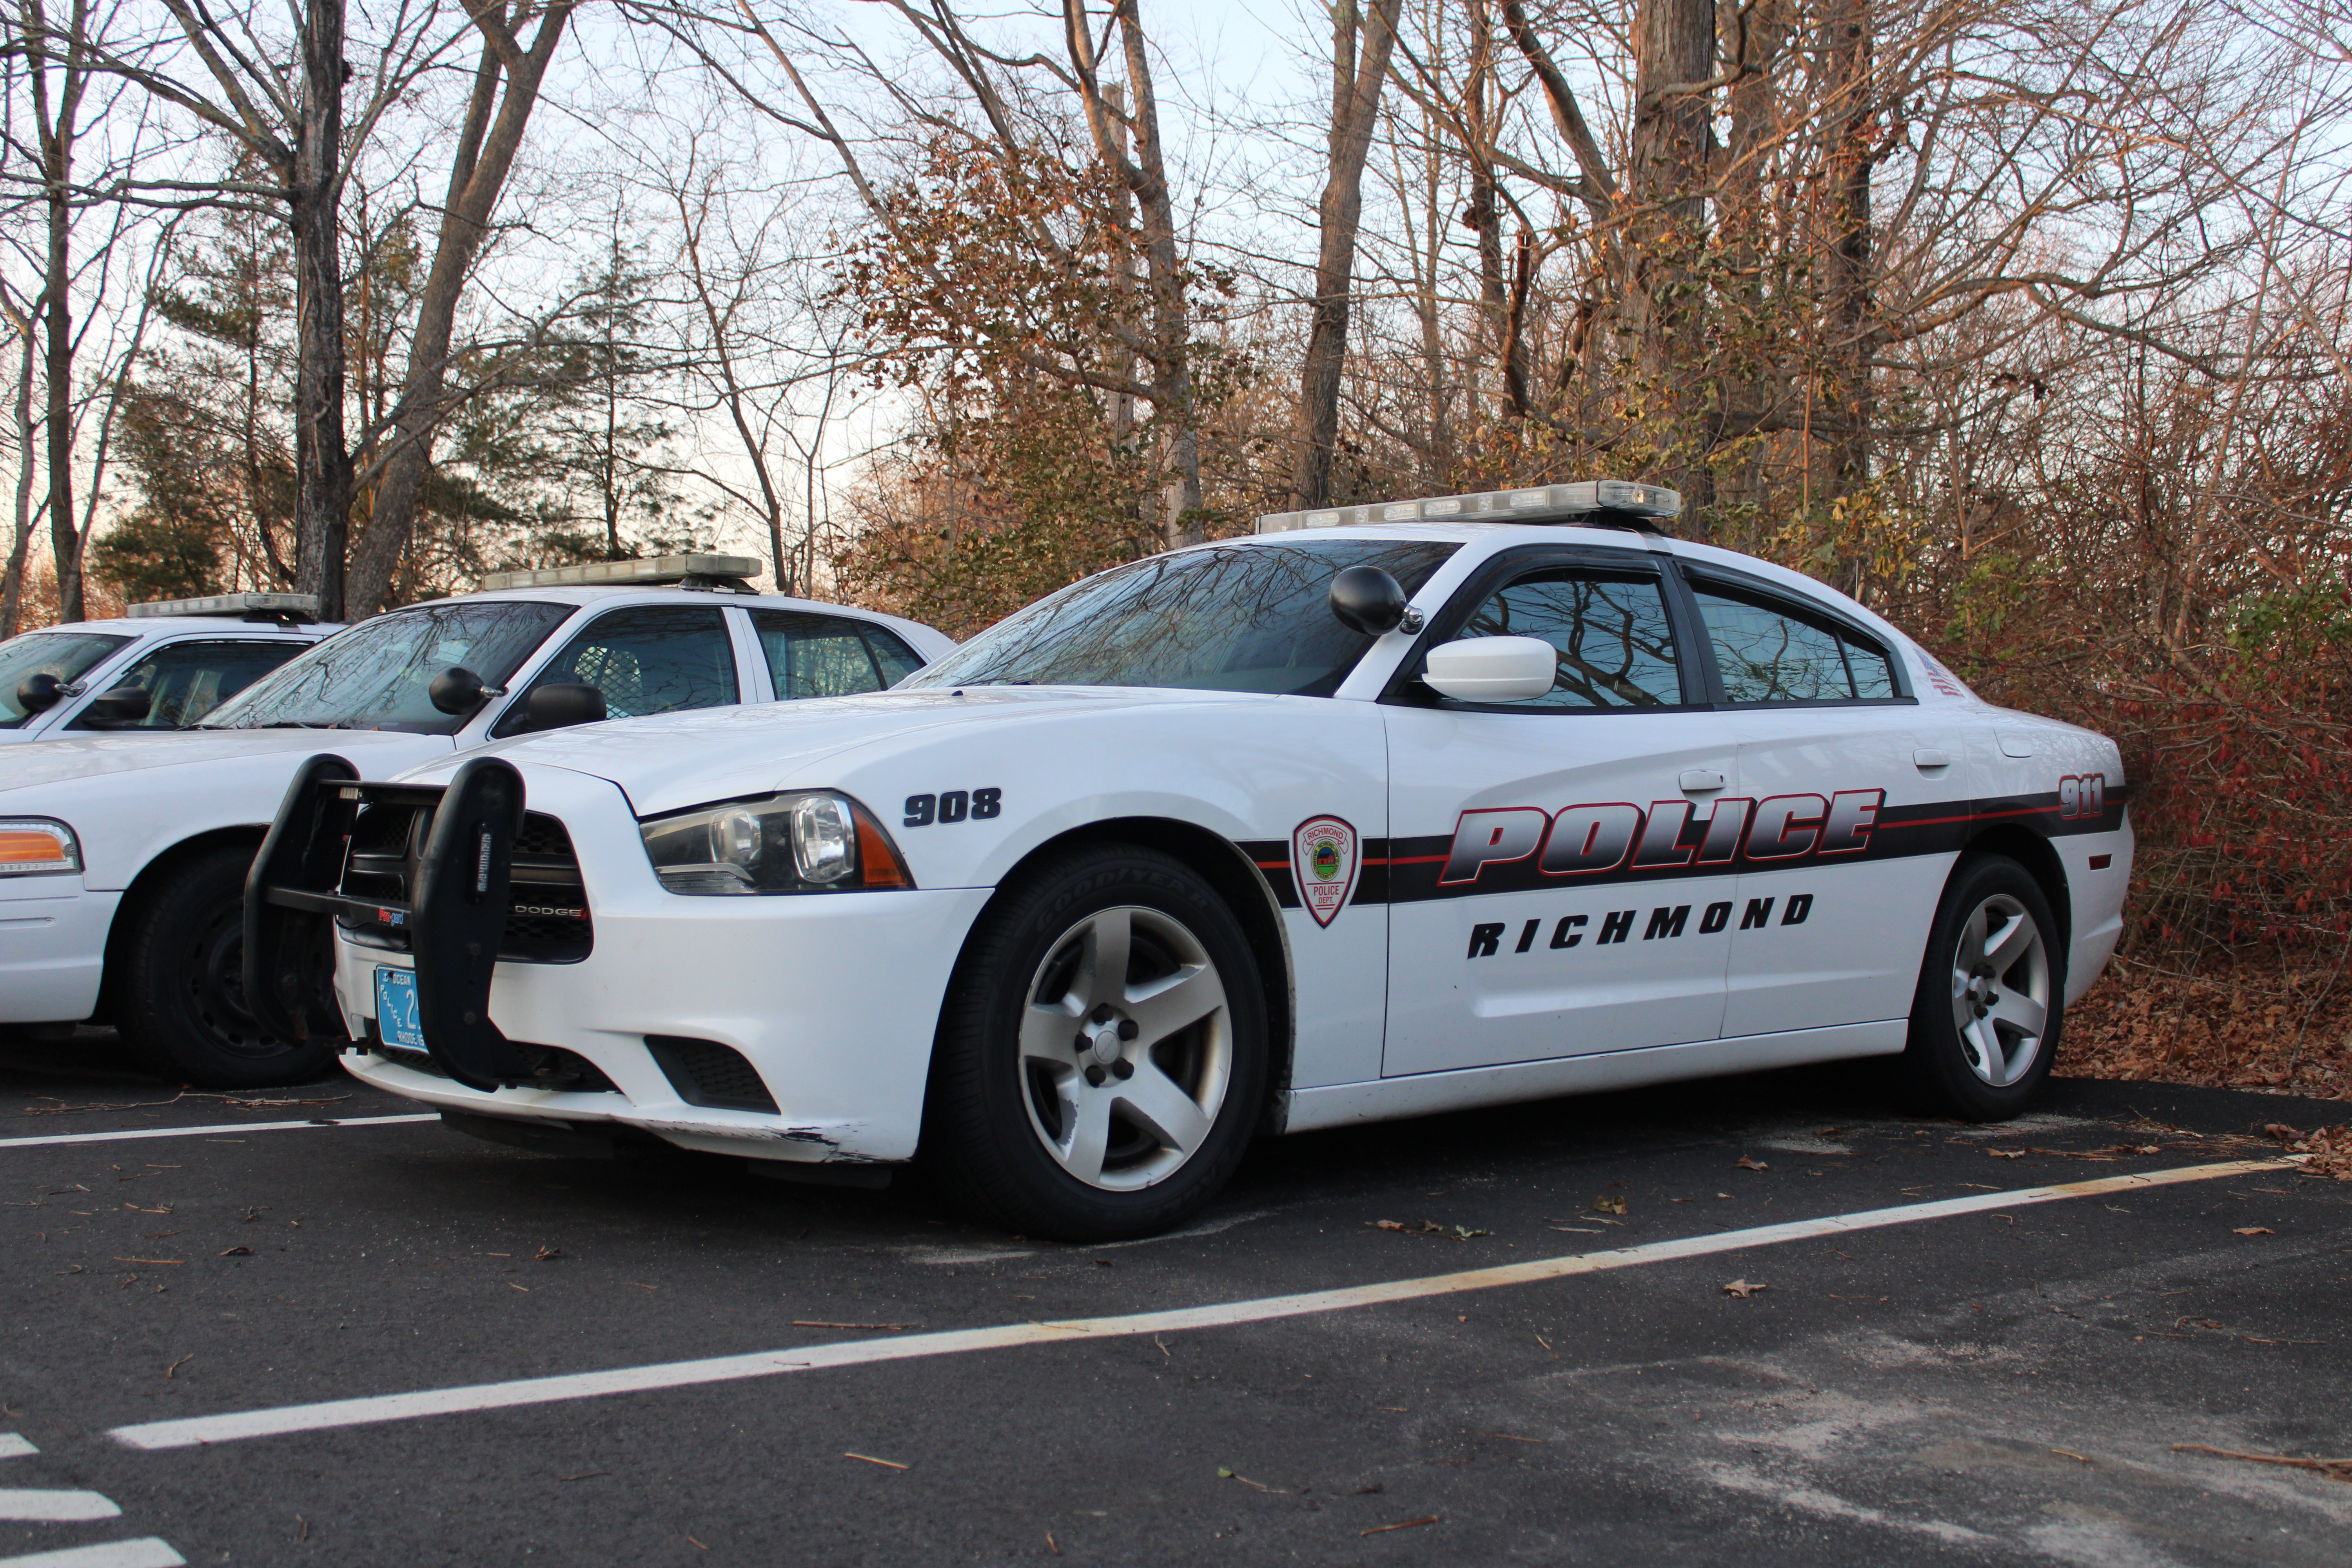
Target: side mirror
39 693
1366 599
1492 669
563 704
456 690
123 705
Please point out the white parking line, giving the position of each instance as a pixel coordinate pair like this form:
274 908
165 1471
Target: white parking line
131 1133
13 1447
146 1553
24 1505
191 1431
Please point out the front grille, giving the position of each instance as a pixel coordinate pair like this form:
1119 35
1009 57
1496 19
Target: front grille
708 1074
549 922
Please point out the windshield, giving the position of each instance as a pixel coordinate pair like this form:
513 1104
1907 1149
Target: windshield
62 654
375 676
1226 617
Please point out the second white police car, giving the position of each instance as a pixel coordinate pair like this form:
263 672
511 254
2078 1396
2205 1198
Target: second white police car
1386 810
123 854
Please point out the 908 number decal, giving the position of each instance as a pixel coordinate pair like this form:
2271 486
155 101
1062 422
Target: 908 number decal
954 806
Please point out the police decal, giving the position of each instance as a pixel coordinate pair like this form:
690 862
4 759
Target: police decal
1323 854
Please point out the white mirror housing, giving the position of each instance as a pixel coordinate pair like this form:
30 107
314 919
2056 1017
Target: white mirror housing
1492 669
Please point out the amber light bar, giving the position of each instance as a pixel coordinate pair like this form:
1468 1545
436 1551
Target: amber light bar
29 847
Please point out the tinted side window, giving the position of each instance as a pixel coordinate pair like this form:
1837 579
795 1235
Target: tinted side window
187 680
1770 652
656 659
815 656
891 651
1616 646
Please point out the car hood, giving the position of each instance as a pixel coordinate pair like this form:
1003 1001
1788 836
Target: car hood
39 762
675 761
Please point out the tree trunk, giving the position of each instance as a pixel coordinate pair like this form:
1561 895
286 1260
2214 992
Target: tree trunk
58 355
1359 67
1671 162
11 582
323 463
478 175
1850 101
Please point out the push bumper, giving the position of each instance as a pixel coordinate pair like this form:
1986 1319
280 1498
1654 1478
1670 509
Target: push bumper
829 1001
52 948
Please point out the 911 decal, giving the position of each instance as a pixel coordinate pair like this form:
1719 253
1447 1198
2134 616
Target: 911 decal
954 806
2082 794
1666 922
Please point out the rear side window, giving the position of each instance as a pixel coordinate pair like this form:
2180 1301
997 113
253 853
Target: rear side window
829 656
1770 651
187 680
655 658
1615 644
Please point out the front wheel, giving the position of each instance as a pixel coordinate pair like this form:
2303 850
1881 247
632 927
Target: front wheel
1102 1057
183 1011
1991 996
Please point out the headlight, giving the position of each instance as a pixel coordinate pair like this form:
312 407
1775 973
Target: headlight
811 841
32 846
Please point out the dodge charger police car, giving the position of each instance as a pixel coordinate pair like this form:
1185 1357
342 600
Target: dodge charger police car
123 856
1384 810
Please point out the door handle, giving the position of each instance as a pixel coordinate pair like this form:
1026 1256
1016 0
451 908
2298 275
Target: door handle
1928 757
1701 780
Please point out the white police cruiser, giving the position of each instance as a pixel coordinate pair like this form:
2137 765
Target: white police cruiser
1389 809
162 666
123 856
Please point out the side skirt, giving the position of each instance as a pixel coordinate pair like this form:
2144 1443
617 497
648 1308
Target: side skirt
1383 1100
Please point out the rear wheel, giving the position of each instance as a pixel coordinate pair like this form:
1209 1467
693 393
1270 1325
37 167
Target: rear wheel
1991 999
1102 1058
183 1011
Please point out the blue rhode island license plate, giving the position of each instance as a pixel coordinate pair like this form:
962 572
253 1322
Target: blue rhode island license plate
395 1008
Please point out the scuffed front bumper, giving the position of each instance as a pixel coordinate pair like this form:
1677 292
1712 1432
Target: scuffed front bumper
52 948
833 999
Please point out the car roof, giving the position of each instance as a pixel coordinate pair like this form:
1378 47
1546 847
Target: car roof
1636 540
155 626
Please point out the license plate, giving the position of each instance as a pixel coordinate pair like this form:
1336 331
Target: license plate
395 1008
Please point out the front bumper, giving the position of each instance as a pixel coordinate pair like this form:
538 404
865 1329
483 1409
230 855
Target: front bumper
52 948
833 999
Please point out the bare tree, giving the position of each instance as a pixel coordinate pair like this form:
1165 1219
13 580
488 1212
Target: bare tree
1360 48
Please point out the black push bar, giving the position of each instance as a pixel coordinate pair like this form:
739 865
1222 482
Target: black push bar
454 916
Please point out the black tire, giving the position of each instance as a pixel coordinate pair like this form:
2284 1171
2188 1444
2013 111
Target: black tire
1984 1072
1003 1103
182 989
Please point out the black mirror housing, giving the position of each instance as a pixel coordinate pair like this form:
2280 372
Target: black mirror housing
39 691
1366 599
123 705
456 690
561 704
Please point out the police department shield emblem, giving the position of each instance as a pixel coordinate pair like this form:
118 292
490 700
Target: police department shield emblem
1323 858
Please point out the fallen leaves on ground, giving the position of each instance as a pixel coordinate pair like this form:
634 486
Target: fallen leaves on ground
1743 1289
1745 1164
2327 1151
1428 1227
2254 1230
1609 1204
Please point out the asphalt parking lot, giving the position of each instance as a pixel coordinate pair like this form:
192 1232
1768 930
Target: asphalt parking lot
1953 1345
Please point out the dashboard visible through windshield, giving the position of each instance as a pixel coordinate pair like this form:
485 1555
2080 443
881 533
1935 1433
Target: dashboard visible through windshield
376 675
1219 617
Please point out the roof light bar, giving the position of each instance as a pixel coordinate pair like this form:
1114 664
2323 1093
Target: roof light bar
1540 504
305 605
618 574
